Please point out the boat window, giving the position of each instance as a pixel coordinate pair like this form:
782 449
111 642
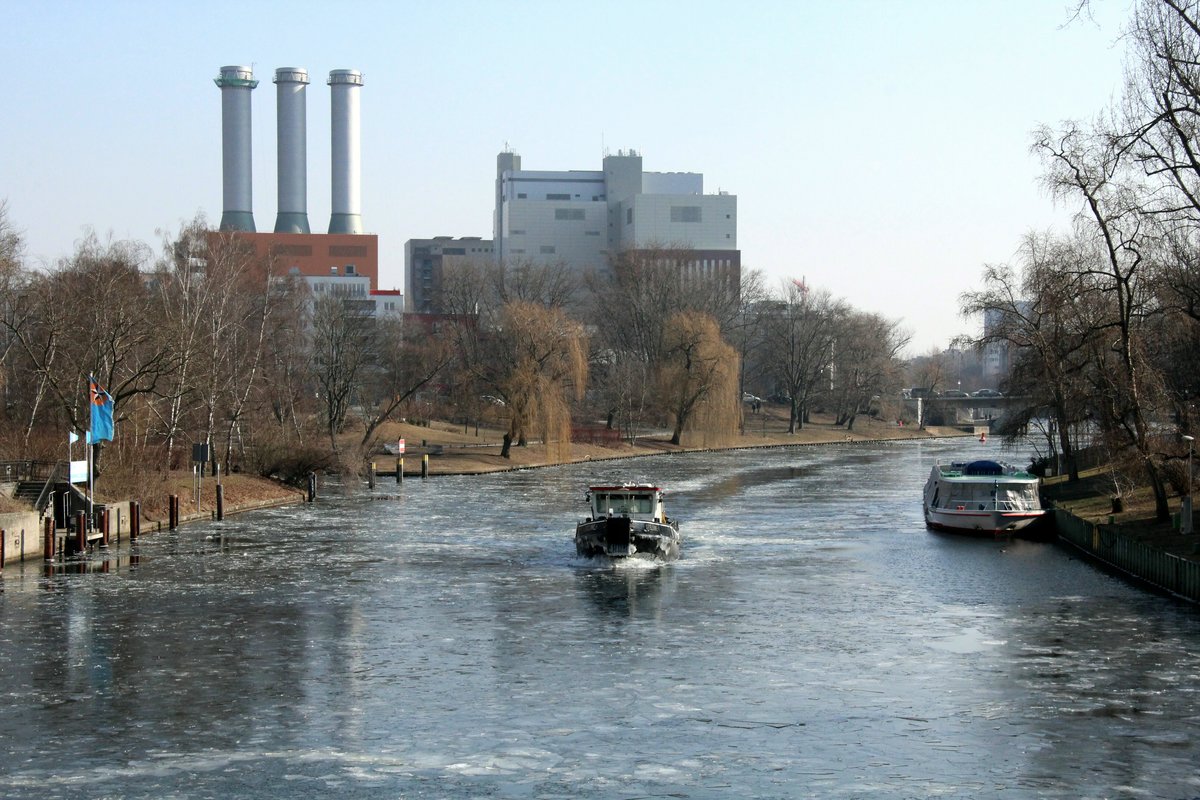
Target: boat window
623 503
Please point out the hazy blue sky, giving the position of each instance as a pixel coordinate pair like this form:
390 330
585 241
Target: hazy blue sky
878 149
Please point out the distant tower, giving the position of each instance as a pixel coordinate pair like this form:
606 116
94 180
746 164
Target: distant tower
236 84
347 156
292 144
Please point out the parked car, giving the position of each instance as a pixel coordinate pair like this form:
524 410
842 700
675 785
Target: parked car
750 398
955 393
987 393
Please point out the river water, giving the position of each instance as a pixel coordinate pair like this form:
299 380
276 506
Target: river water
441 639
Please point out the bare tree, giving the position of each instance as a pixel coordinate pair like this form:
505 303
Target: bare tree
866 363
343 345
1088 167
698 377
801 330
541 355
1042 318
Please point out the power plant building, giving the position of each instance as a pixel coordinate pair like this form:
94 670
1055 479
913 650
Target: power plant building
581 217
344 261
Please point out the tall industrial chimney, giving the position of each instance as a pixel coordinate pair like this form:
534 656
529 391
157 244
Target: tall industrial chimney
347 156
292 144
236 84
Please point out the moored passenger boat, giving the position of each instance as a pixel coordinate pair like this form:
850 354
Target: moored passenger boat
627 521
981 497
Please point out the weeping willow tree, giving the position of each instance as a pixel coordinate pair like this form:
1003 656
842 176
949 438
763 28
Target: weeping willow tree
698 379
544 354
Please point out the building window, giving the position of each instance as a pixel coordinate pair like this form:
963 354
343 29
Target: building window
516 232
521 195
591 233
558 197
293 271
547 250
685 213
333 270
350 269
568 213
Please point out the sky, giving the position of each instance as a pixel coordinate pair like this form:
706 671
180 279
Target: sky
878 149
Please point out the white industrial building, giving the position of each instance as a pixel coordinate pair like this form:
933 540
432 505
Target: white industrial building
579 217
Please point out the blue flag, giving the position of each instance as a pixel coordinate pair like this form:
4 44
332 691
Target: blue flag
102 412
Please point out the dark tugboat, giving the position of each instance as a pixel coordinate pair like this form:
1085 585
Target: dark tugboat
627 521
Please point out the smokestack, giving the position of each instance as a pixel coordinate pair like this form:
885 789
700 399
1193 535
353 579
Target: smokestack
236 84
347 157
292 146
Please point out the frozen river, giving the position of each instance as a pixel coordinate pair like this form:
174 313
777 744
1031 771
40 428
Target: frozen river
441 639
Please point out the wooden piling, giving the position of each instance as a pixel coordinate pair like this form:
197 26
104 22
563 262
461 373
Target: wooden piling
135 520
425 466
173 512
104 527
48 540
371 476
220 502
400 470
81 528
3 542
312 486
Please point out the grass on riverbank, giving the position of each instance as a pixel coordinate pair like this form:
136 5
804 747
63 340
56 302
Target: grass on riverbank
456 449
1091 498
471 451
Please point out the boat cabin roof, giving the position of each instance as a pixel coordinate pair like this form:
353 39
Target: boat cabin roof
626 487
984 469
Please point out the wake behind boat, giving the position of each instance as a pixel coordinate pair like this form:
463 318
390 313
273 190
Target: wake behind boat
627 521
981 497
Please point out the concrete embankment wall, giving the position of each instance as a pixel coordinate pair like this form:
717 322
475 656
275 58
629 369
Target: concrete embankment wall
22 535
1179 576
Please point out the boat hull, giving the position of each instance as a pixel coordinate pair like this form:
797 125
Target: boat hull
622 537
980 522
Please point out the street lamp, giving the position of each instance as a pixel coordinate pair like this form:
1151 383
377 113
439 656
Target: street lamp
1185 524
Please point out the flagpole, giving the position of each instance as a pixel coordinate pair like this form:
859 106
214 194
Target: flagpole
90 443
91 479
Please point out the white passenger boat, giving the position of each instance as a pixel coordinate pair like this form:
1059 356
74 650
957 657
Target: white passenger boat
627 521
981 497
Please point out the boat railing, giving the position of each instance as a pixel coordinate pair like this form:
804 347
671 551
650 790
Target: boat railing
989 505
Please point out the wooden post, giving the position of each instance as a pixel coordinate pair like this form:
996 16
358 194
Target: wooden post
312 486
220 502
173 512
371 476
81 528
48 540
104 527
400 469
425 466
135 520
3 542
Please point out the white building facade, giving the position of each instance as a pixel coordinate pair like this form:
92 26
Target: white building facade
580 217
